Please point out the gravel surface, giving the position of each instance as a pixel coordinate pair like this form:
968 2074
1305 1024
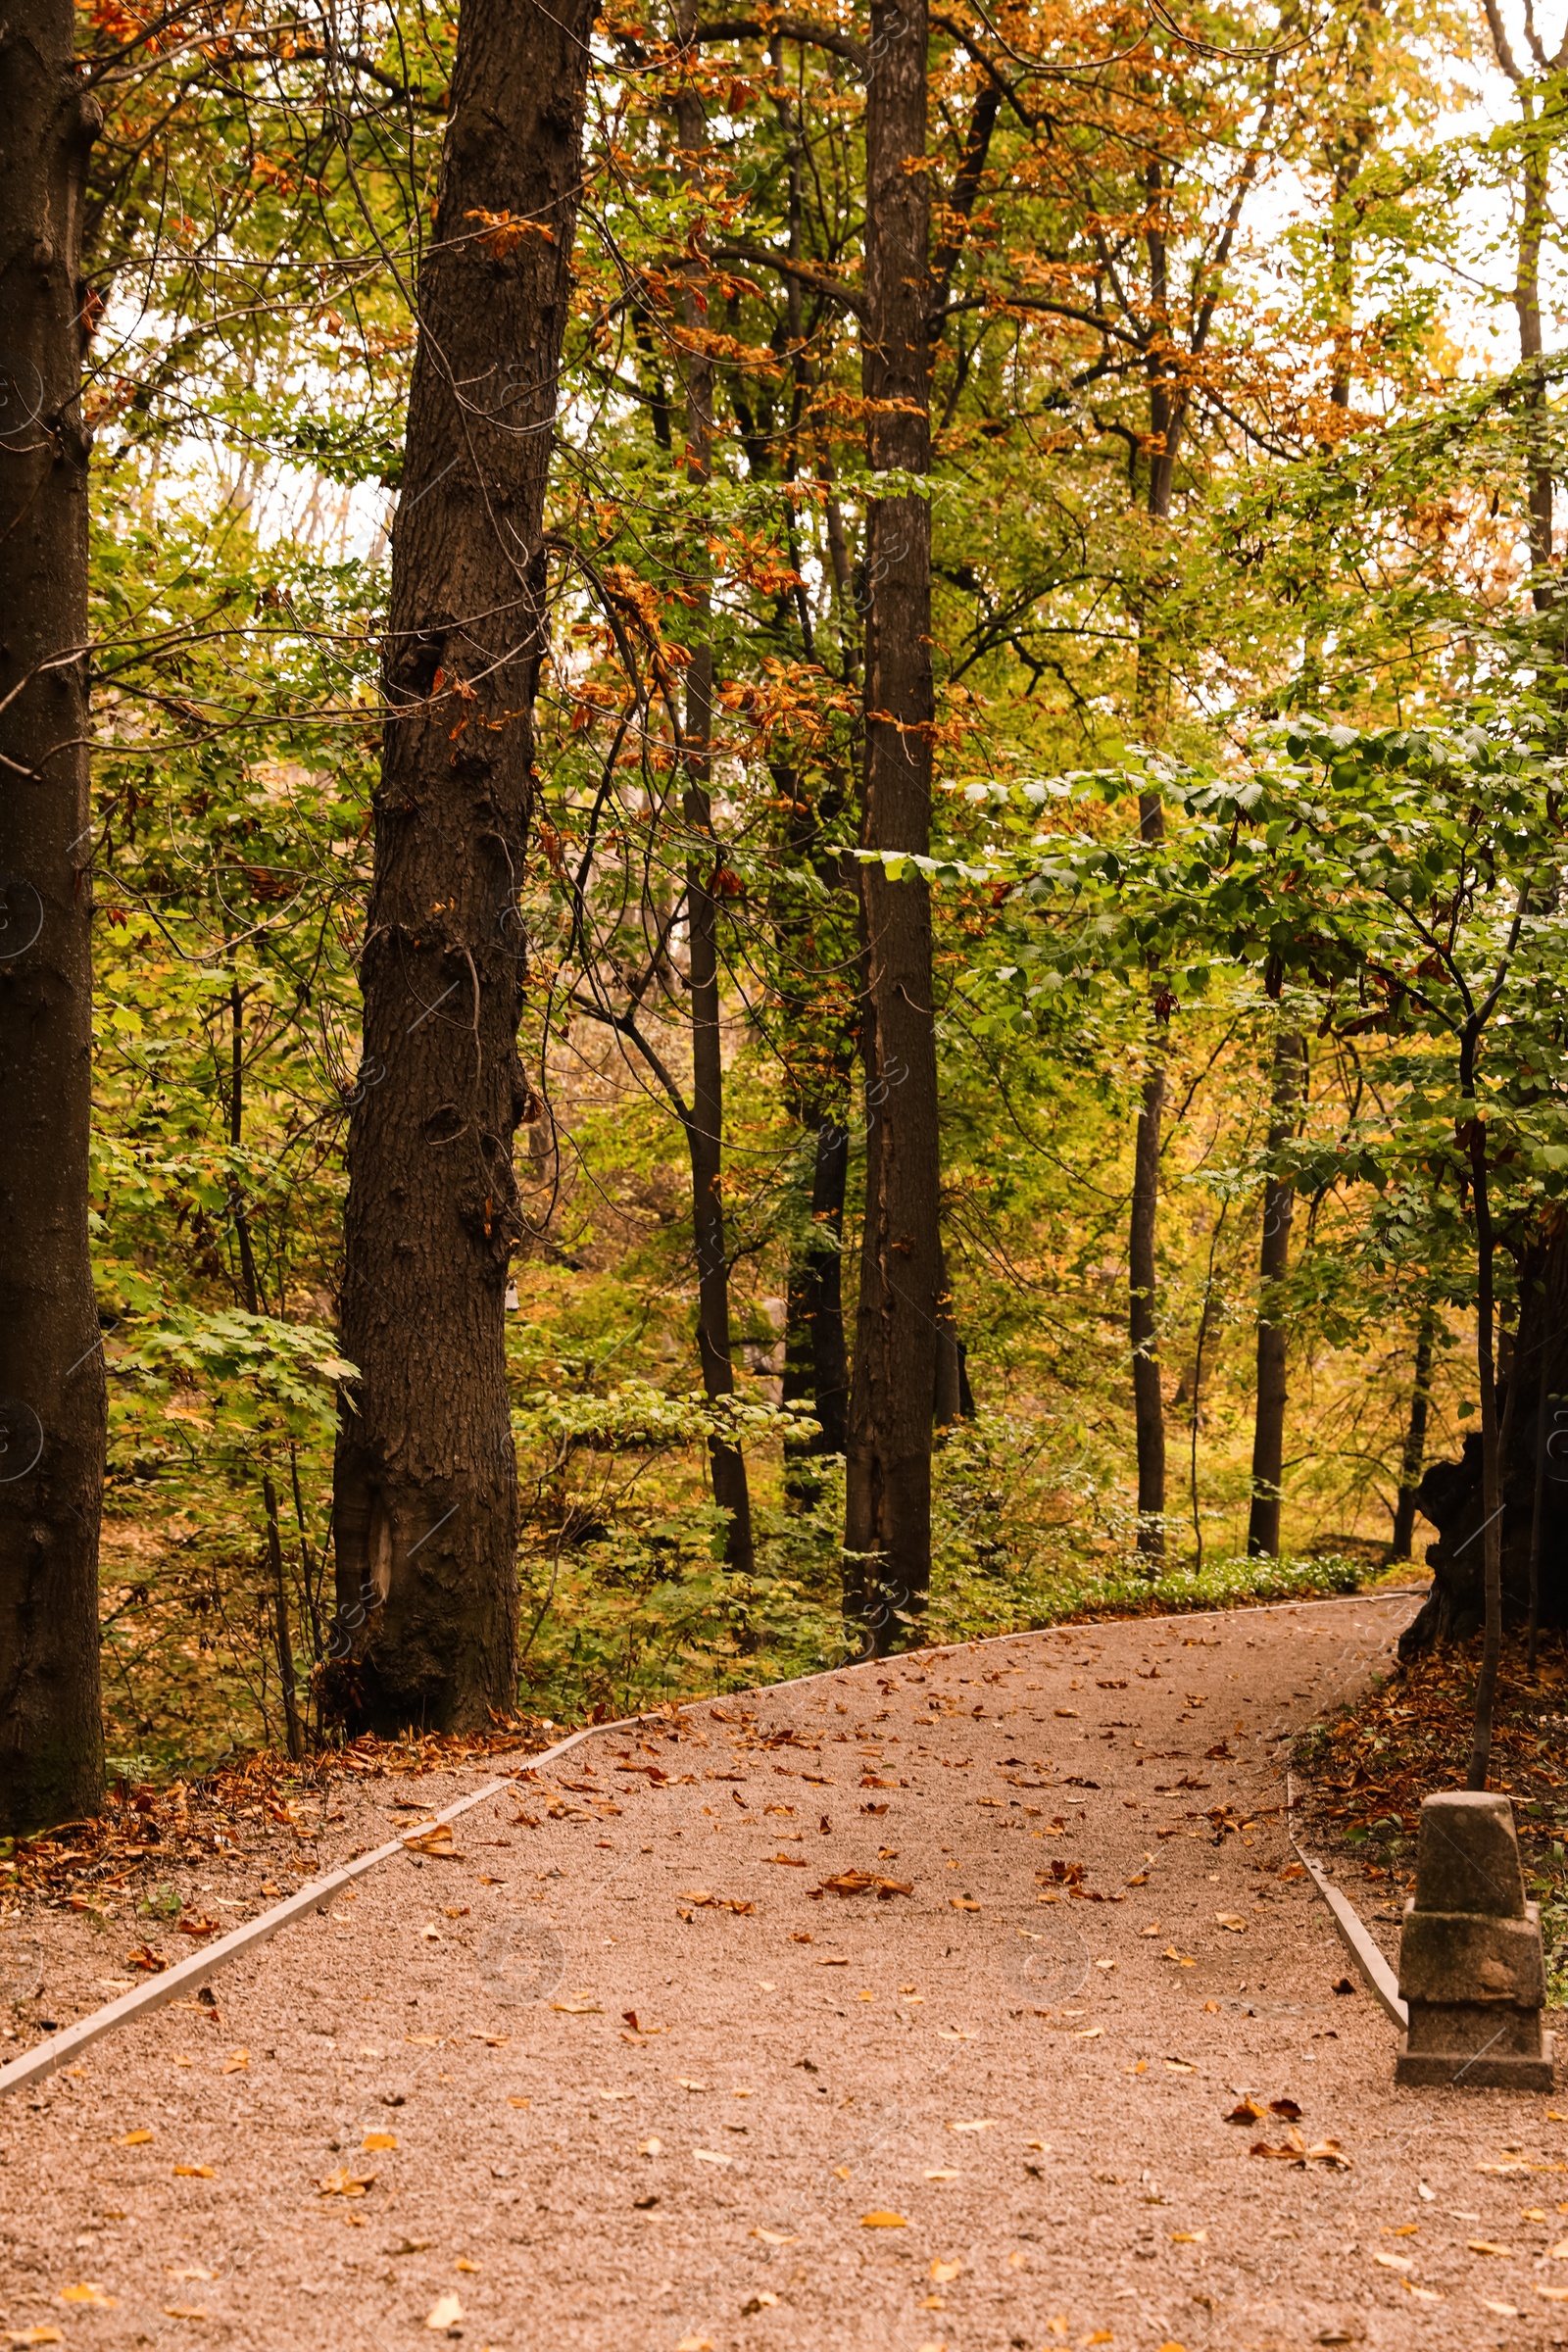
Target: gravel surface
627 2070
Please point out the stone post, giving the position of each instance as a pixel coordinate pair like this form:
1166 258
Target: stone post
1471 1966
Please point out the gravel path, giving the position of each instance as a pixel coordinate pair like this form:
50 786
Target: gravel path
626 2070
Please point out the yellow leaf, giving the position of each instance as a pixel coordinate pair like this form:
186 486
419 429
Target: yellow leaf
1231 1920
578 2008
1485 2245
1504 2311
883 2221
512 2100
33 2335
987 2123
236 2062
133 2140
1393 2261
944 2272
774 2237
447 2313
712 2156
344 2184
194 2171
1189 2237
379 2139
88 2294
463 2264
937 2176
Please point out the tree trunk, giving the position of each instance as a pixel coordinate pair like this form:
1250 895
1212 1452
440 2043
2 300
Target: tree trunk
815 1362
704 1130
52 1417
888 1507
1279 1199
1149 1408
1415 1440
1451 1493
1490 1471
426 1507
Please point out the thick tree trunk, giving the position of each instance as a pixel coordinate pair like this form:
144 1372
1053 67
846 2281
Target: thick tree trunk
1415 1441
1148 1408
704 1130
425 1509
888 1510
51 1408
816 1360
1451 1493
1274 1258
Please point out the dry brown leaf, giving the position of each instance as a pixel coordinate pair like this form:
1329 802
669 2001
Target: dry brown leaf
446 2314
198 1927
344 2184
695 2343
90 2293
512 2100
133 2140
1189 2237
1485 2245
1231 1920
578 2008
194 2171
1288 2108
942 2176
33 2335
236 2062
145 1957
712 2156
375 2141
184 2310
463 2264
1248 2111
774 2237
883 2221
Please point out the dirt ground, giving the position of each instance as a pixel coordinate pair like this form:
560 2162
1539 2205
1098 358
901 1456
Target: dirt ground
626 2069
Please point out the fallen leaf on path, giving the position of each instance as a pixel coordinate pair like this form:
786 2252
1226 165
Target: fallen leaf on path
145 1957
1171 1953
1393 2261
463 2264
1286 2107
1553 2295
1248 2111
194 2171
984 2123
33 2335
578 2008
90 2293
940 2175
883 2221
962 1902
944 2272
430 1931
788 1861
512 2100
133 2140
375 2141
446 2314
1092 2034
774 2237
344 2184
193 2272
1179 2066
1485 2245
1231 1920
695 2343
762 2301
650 2147
493 2042
1422 2294
712 2156
1504 2311
1067 1710
184 2310
690 2082
197 1926
1189 2237
461 1913
423 2041
236 2062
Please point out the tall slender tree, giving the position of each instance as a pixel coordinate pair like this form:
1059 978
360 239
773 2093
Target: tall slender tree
1274 1258
51 1408
892 1396
425 1493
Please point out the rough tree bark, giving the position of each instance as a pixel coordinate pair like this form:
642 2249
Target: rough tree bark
426 1507
1274 1258
51 1408
705 1129
888 1504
